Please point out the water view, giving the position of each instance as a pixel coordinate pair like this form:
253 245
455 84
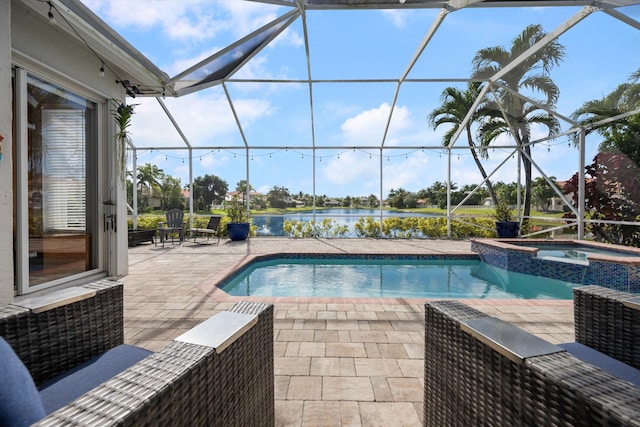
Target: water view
272 225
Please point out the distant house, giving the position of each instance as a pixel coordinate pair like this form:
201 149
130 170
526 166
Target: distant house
294 203
253 195
331 203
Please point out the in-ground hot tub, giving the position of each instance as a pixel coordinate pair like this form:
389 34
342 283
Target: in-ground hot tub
576 261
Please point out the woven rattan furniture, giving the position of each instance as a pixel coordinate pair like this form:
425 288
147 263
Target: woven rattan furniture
469 380
189 382
608 321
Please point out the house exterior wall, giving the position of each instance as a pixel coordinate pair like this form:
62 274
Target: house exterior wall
30 42
6 170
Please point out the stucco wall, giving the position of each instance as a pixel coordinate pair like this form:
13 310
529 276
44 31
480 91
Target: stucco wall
6 195
51 53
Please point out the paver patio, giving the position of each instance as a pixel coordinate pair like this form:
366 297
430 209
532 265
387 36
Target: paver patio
338 361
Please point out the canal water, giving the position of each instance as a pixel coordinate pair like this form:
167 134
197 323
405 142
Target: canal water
271 225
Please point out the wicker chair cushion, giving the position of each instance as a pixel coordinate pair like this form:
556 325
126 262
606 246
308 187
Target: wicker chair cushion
604 362
20 404
67 387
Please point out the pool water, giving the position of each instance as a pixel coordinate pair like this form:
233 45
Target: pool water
379 278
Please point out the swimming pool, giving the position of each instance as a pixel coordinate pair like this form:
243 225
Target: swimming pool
441 277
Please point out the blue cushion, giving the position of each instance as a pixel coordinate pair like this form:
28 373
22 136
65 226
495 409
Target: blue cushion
67 387
604 362
20 403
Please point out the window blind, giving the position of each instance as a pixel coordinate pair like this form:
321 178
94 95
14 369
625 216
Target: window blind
64 170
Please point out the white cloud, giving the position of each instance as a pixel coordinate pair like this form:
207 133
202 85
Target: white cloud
204 117
397 17
349 168
409 173
367 127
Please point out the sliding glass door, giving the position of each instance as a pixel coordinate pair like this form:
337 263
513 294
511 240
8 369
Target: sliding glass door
61 183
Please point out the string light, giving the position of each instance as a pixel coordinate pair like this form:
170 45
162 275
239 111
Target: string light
52 19
212 152
101 72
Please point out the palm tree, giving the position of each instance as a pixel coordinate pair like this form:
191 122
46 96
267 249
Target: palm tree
621 134
454 108
511 114
150 175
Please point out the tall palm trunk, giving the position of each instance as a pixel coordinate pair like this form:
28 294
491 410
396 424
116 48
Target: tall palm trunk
492 192
526 163
523 141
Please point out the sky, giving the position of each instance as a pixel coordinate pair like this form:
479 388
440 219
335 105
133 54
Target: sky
600 53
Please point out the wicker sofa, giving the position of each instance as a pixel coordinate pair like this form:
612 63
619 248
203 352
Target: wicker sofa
189 382
482 371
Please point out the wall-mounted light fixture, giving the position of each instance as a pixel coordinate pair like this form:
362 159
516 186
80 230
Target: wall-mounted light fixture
130 89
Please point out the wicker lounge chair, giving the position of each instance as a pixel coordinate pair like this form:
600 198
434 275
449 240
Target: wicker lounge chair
211 229
482 371
212 375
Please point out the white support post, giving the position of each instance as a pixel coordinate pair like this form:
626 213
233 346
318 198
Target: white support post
380 204
449 193
247 197
134 166
581 142
191 223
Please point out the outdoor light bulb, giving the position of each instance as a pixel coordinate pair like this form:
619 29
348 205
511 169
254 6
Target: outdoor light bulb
101 72
52 19
401 1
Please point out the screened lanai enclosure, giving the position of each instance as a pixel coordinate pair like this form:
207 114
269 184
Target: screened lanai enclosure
337 98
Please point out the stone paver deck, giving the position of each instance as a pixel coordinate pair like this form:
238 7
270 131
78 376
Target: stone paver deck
338 361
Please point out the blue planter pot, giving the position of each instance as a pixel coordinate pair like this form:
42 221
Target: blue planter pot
238 230
507 229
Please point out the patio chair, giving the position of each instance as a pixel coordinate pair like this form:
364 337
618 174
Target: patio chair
218 373
480 370
211 229
174 225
